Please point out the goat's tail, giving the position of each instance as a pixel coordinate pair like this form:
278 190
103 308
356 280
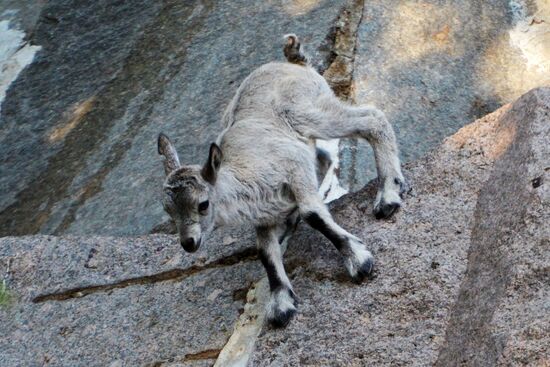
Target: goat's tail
292 50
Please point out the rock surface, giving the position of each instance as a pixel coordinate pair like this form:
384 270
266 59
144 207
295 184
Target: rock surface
78 125
434 66
462 275
104 301
462 271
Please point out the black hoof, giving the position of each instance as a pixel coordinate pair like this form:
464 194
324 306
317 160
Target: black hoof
364 271
385 210
282 318
405 188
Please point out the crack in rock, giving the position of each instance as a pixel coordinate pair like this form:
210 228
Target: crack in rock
205 354
247 254
339 73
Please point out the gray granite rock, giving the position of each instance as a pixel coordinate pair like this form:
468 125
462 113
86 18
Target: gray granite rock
48 266
122 301
166 323
434 66
101 301
501 315
79 124
461 274
462 270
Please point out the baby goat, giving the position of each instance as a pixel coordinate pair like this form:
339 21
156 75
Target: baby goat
262 169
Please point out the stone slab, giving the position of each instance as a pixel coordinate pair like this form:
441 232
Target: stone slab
434 66
166 323
461 271
46 265
79 125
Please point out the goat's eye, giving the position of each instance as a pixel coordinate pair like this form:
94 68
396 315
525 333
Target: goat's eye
203 207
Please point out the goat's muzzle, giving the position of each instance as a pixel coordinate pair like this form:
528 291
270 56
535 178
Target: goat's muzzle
190 245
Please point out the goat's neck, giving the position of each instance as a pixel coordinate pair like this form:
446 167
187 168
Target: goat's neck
233 198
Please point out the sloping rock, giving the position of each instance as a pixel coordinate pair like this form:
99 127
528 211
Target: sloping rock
101 301
79 125
461 278
435 65
462 271
59 267
140 325
501 315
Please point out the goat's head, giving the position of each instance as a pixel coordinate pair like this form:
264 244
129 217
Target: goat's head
187 193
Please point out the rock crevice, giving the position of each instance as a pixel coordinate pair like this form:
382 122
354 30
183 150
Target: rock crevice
248 254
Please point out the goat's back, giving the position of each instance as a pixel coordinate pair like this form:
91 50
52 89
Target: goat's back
258 140
272 89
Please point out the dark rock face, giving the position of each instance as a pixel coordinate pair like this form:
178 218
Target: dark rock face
461 275
79 124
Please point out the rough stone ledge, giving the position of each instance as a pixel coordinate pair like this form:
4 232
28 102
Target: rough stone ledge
462 269
49 267
174 274
158 324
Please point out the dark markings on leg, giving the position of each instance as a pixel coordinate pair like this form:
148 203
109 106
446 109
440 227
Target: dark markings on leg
291 224
316 222
274 281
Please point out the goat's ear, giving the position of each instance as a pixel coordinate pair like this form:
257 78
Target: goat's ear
165 148
210 170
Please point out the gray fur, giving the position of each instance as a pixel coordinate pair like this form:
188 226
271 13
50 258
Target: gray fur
268 165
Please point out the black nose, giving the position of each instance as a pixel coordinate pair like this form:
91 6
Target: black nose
189 244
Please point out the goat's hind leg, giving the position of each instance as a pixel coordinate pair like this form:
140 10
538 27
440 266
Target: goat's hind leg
330 119
372 125
282 302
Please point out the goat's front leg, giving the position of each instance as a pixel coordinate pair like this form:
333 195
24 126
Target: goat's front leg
282 303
